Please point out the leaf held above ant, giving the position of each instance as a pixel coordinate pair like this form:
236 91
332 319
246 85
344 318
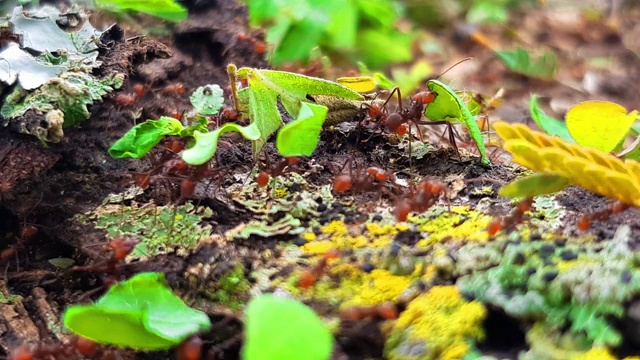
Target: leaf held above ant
206 143
449 106
534 185
300 137
140 139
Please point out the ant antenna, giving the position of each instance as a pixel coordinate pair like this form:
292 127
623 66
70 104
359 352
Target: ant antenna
452 66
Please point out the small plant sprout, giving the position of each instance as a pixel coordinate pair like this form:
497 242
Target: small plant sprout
279 328
141 313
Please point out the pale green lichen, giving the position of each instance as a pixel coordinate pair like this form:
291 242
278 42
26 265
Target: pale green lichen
231 290
160 229
437 325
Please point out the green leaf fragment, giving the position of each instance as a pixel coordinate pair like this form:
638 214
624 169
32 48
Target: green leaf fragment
449 106
208 99
300 137
534 185
519 60
547 123
143 137
206 143
279 328
164 9
141 313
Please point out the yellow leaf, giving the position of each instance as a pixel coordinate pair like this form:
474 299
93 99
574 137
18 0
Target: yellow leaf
360 84
593 170
599 124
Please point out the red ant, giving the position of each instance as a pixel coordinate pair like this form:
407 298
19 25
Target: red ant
259 46
419 198
79 345
278 169
387 311
371 179
140 90
308 278
175 88
614 208
514 218
123 100
121 247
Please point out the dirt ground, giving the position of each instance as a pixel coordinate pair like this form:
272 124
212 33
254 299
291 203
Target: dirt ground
46 187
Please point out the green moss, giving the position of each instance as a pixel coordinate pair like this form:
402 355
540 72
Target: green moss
437 325
231 289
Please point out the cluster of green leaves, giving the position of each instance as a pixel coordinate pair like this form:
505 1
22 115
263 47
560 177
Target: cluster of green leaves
142 313
568 287
357 29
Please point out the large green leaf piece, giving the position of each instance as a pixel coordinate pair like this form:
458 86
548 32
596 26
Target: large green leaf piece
141 313
449 106
279 328
206 143
300 137
143 137
534 185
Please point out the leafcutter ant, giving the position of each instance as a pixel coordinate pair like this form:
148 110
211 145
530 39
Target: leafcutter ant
386 311
419 198
614 208
308 278
282 166
515 217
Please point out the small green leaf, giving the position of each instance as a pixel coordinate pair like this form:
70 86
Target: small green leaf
164 9
548 124
300 137
143 137
206 143
534 185
449 106
487 13
279 328
141 313
263 112
520 61
208 99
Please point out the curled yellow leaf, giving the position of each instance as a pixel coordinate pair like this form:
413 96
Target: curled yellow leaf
360 84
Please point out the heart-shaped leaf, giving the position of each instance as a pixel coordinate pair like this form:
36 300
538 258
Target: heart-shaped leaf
601 125
300 137
206 143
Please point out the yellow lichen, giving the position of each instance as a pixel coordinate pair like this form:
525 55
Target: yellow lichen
378 286
451 225
441 320
595 353
309 236
318 247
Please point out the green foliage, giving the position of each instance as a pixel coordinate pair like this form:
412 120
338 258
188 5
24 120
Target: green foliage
138 141
266 87
141 313
206 143
300 137
548 124
521 61
336 26
448 105
534 185
279 328
164 9
488 11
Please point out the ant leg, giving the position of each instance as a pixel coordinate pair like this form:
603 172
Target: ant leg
452 139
